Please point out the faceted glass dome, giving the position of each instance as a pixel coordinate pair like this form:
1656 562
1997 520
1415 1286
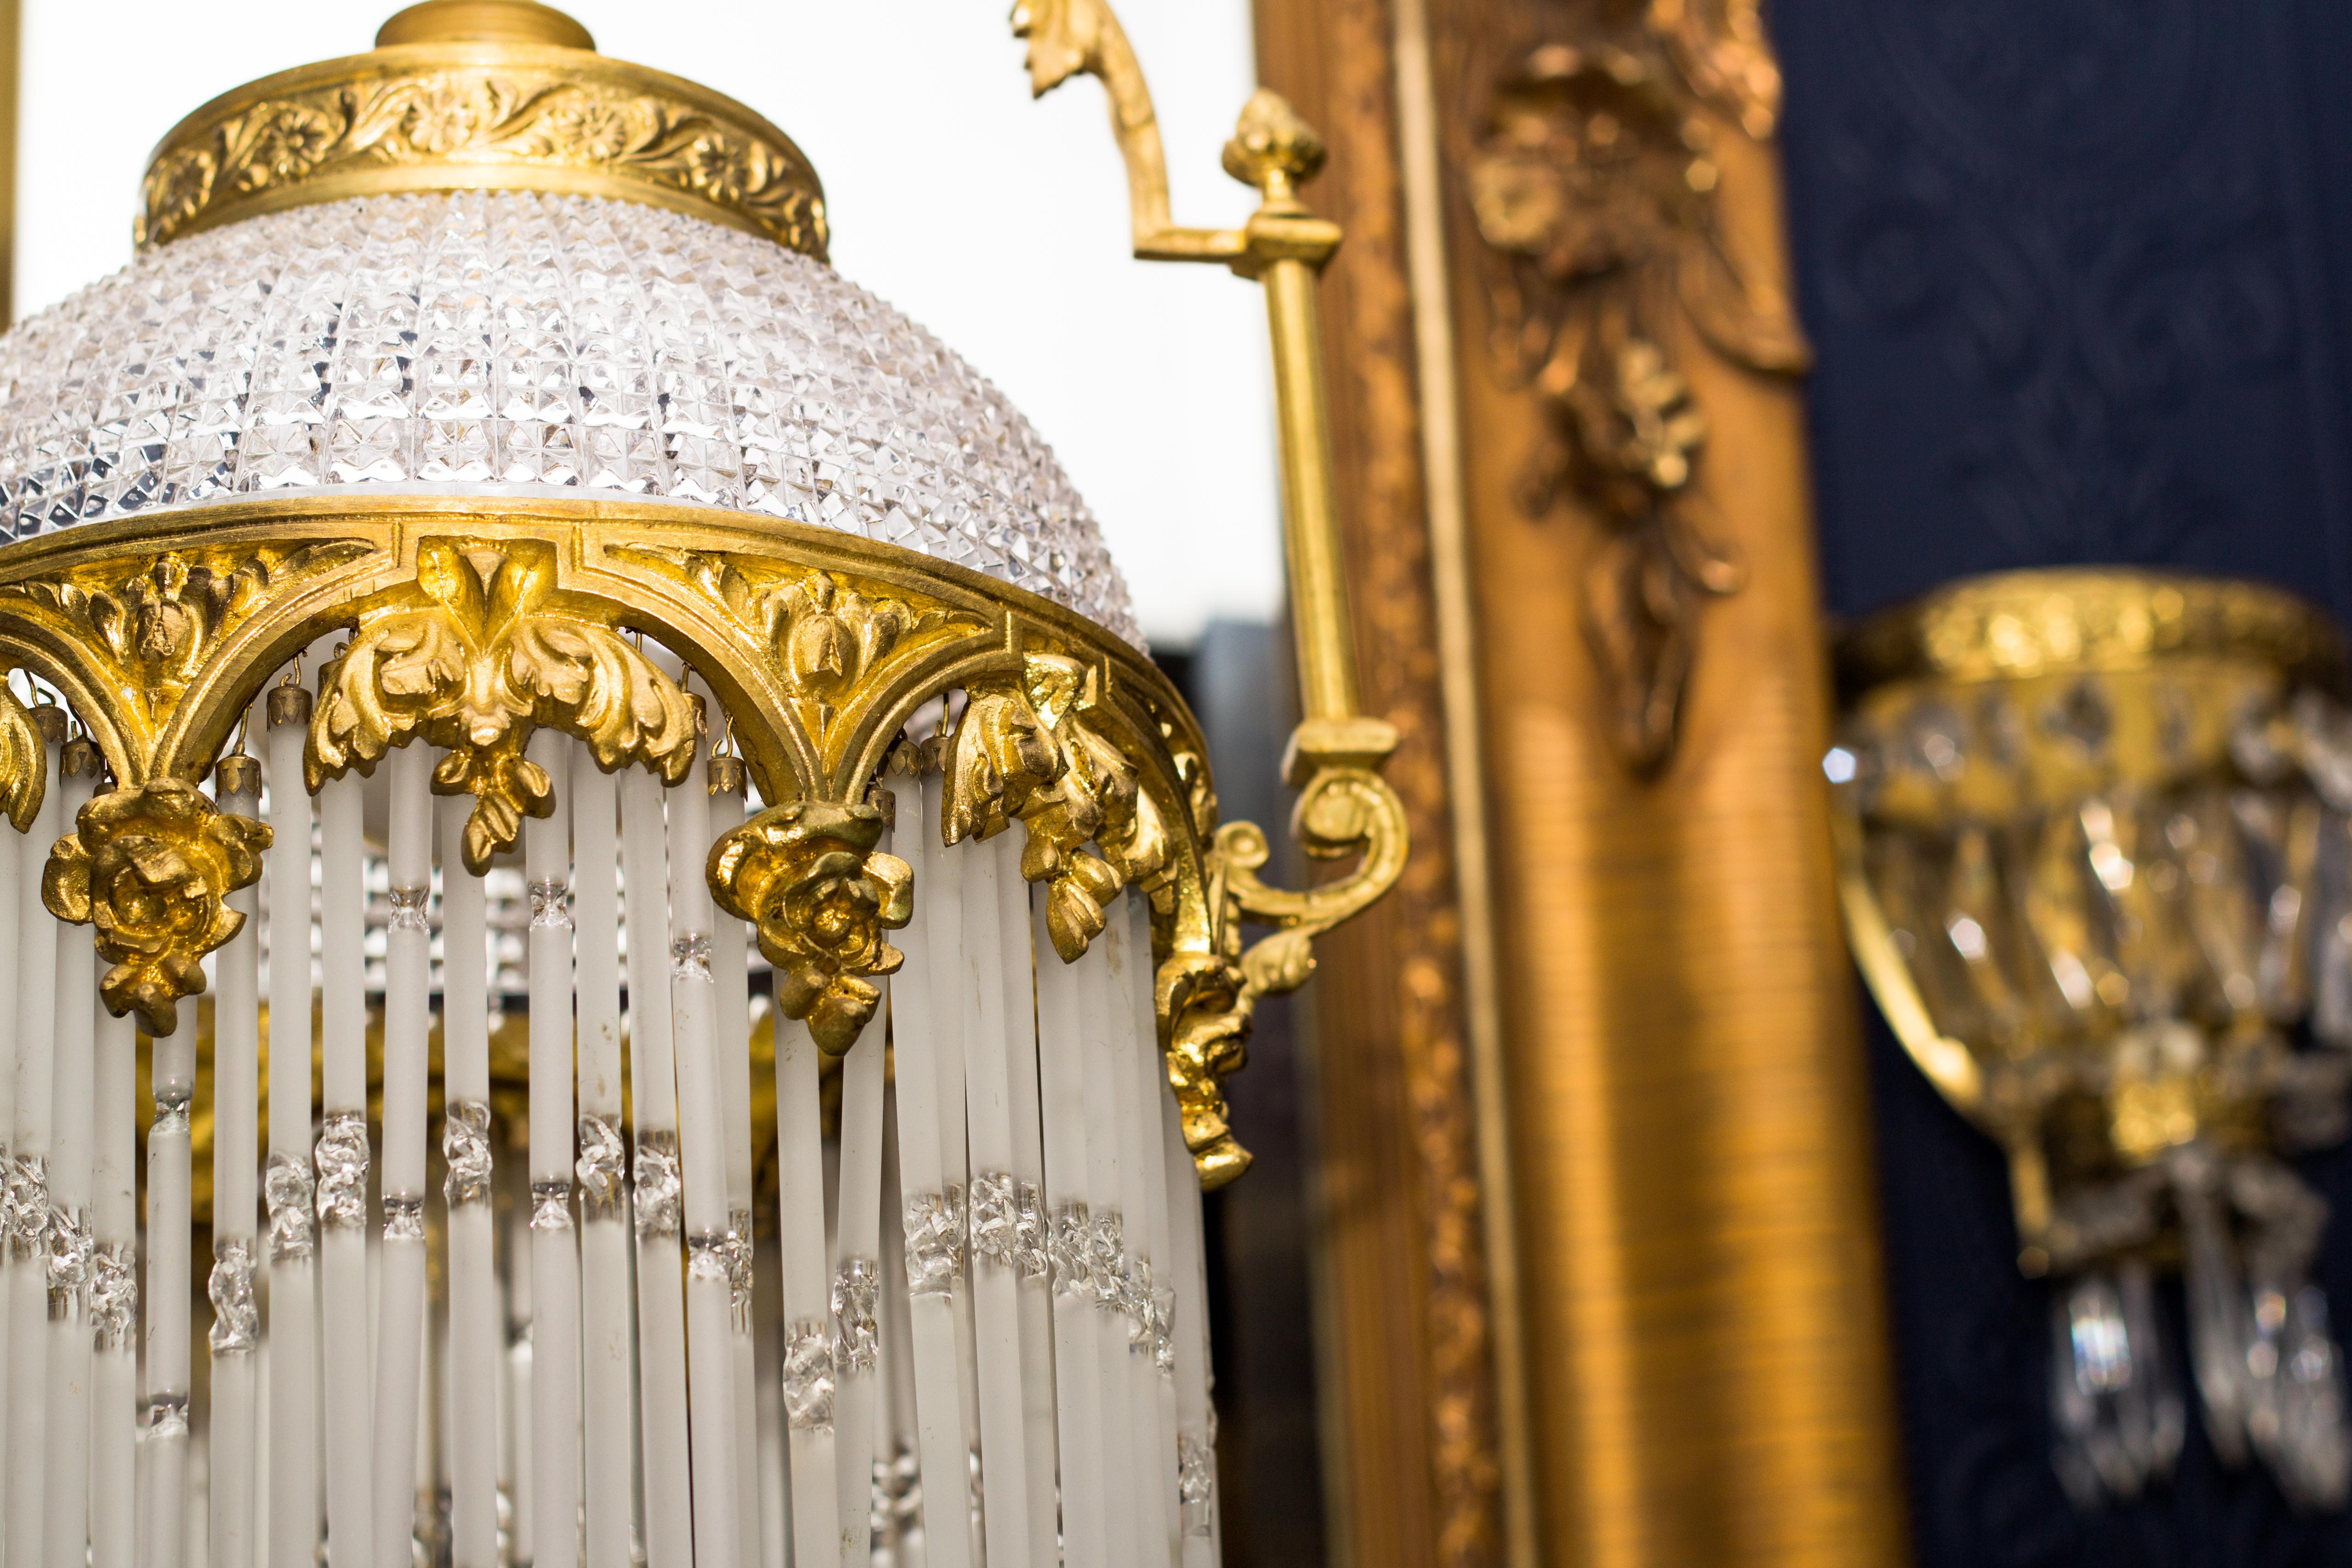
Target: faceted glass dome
514 342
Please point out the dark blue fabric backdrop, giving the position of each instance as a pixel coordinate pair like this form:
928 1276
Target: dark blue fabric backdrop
2079 273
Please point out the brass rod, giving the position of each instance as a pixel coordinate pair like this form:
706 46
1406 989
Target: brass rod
1310 519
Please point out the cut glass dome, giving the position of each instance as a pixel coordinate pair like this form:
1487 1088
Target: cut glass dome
516 342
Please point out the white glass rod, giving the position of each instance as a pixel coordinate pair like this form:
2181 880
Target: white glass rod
811 1379
608 1421
1017 969
114 1304
408 1027
28 1298
236 1108
1062 1074
931 1205
343 1163
856 1276
731 1003
657 1193
1100 1007
66 1518
702 1139
287 1187
995 1291
1196 1461
554 1250
476 1315
12 851
1122 1057
1154 1352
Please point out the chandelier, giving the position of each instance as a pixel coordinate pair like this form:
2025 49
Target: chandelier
2097 833
528 680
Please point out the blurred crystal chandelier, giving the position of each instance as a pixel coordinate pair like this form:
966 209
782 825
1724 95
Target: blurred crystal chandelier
818 1162
2097 829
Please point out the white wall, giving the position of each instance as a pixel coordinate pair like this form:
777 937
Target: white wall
999 224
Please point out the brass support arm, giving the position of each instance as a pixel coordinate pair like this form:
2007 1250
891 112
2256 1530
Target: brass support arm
1070 37
1344 808
1285 247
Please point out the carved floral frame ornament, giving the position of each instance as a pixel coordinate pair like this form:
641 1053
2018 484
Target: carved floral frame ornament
1594 183
472 621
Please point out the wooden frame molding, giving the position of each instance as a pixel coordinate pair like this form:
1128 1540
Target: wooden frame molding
1603 1094
1414 1460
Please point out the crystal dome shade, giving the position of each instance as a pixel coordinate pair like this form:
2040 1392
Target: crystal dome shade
515 342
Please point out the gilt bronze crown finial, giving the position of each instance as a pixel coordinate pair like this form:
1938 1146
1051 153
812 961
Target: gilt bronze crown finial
2095 829
480 95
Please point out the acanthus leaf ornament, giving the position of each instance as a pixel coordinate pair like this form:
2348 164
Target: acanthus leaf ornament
1723 54
1208 1002
24 761
819 895
1205 1007
833 637
1594 186
152 869
999 755
148 625
473 664
1028 750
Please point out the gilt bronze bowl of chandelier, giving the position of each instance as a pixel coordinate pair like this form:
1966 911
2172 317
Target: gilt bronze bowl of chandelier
2096 864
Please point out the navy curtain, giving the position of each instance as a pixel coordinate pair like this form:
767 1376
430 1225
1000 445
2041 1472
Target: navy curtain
2079 274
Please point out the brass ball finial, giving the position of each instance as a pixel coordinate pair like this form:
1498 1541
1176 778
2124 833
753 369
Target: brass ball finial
483 21
1274 149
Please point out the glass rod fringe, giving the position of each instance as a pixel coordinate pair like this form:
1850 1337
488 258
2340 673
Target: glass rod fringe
931 1183
476 1314
977 1330
113 1292
14 849
995 1289
657 1191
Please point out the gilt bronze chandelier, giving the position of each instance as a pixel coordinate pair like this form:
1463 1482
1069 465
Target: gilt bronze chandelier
2096 835
527 679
